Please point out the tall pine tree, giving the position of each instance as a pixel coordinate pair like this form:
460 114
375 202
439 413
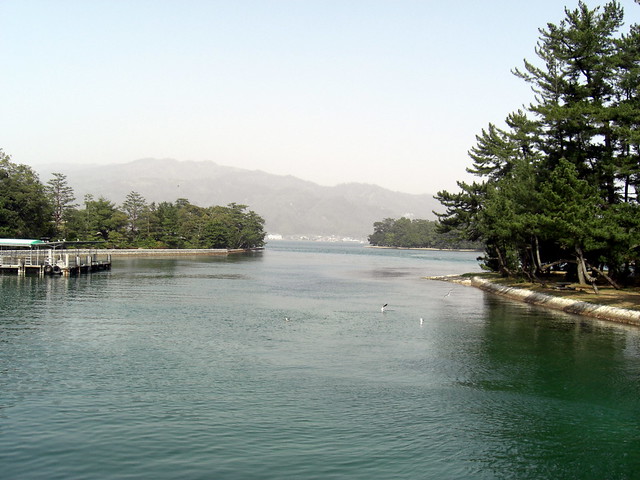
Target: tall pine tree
583 127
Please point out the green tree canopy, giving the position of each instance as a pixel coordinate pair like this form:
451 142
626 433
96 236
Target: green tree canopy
135 207
61 198
417 233
560 183
25 211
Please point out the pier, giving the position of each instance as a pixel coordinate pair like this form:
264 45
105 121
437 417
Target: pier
48 258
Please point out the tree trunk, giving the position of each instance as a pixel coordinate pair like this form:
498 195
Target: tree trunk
579 260
611 281
536 258
503 267
583 274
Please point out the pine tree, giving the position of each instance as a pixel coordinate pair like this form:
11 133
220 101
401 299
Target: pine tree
61 197
574 91
134 207
562 185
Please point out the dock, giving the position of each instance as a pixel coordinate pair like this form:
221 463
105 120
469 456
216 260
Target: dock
48 258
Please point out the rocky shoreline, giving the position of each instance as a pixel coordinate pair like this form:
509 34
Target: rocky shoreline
602 312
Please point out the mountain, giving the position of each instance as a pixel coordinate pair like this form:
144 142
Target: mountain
289 205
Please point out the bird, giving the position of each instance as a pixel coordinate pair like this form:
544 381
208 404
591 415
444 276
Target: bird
421 321
383 307
448 293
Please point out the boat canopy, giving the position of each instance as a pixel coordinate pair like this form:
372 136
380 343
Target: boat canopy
28 243
20 242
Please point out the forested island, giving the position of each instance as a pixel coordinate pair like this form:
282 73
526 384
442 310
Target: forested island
558 185
30 209
417 233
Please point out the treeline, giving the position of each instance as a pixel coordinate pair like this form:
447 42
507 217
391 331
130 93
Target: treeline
406 233
30 209
558 186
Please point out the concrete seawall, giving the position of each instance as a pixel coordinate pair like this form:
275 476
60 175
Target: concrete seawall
614 314
161 252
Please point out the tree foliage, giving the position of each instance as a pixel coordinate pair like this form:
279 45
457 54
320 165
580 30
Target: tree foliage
558 186
406 233
135 207
24 208
61 198
29 209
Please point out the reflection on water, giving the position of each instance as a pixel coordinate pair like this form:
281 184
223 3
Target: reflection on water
280 365
559 388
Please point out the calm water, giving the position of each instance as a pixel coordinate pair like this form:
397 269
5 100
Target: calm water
188 368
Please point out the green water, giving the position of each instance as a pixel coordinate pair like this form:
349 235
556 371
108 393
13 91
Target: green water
281 365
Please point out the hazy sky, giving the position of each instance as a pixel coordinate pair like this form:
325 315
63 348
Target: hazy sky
385 92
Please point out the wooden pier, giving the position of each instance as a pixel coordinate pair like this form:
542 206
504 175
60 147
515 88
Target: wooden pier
45 258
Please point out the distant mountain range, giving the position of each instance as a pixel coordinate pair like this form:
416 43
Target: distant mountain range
289 205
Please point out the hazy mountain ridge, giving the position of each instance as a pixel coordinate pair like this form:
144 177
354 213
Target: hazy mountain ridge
289 205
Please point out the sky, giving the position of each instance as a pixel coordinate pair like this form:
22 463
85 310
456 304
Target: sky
386 92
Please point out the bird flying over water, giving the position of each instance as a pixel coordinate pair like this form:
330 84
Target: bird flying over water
383 307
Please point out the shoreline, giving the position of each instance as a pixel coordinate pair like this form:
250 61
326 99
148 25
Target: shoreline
426 248
578 307
138 251
144 252
166 252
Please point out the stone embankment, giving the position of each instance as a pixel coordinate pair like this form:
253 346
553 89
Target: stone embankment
602 312
153 252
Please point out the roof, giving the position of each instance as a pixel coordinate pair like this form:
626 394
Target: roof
28 243
19 242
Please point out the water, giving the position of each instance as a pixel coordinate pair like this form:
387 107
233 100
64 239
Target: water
189 368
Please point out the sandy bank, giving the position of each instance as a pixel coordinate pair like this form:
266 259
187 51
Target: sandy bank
602 312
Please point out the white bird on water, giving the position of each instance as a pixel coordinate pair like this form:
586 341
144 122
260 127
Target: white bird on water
383 307
421 321
448 293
